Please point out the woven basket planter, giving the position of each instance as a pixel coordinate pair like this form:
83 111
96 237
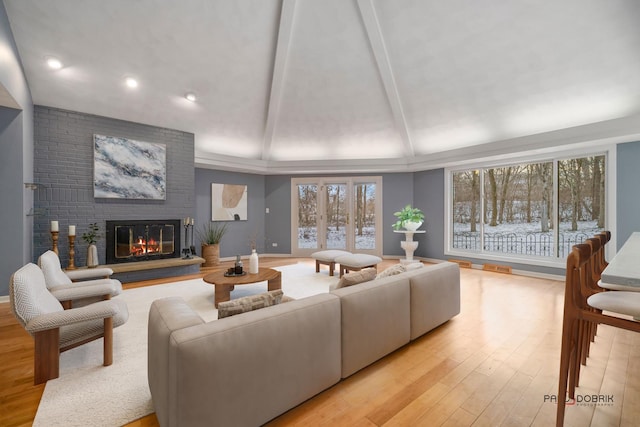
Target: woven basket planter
211 255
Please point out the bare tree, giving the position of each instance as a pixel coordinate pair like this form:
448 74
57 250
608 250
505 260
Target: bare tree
494 197
475 194
504 188
529 190
545 176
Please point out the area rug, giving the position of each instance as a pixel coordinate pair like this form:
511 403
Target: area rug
89 394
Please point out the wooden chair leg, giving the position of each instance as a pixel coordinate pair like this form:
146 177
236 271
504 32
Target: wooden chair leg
567 355
108 341
47 356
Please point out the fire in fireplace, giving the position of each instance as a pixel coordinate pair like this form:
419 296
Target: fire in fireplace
139 240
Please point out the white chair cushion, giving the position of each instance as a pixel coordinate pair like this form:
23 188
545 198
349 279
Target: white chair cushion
53 274
89 273
617 302
358 260
29 295
616 287
329 256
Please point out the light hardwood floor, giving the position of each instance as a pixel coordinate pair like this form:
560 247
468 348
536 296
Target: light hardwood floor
494 364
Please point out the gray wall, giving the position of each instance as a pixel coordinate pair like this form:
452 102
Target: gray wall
398 191
428 195
239 233
64 169
16 162
278 220
628 183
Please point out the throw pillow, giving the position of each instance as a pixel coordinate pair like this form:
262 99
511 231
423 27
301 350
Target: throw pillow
249 303
356 277
392 271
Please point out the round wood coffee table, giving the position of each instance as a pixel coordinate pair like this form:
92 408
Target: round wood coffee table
224 285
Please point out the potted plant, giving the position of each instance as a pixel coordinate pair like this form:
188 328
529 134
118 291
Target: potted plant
409 218
210 236
91 236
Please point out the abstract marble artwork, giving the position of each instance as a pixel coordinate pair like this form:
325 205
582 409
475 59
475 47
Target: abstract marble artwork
129 169
228 202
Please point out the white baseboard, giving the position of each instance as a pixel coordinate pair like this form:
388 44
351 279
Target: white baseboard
525 273
4 298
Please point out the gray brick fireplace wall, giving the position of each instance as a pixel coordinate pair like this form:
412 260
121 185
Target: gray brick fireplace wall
63 170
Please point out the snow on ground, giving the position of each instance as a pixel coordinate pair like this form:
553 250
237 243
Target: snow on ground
516 238
308 238
523 238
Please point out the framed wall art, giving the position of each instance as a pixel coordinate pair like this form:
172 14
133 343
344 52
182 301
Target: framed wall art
128 169
228 202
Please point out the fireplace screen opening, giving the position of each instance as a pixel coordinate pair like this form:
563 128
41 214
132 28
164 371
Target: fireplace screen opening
142 240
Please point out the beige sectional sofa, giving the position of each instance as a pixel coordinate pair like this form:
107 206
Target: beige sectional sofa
247 369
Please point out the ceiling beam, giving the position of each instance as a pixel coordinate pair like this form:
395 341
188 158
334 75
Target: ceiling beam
279 68
372 26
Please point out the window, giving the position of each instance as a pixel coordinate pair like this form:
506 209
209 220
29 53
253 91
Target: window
343 213
530 210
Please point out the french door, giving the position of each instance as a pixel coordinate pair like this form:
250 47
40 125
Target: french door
336 213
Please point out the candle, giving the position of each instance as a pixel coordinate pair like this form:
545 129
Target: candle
72 230
54 225
193 221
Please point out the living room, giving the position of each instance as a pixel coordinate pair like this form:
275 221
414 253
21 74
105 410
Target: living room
48 155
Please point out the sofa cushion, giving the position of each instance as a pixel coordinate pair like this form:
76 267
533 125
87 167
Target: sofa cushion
249 303
356 277
391 271
246 370
375 321
435 296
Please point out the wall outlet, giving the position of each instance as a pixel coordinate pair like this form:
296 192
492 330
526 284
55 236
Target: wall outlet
275 245
266 210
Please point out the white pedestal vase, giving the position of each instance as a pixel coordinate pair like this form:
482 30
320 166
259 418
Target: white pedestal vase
409 245
411 225
253 262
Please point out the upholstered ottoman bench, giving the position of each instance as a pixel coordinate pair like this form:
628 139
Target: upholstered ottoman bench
328 258
355 262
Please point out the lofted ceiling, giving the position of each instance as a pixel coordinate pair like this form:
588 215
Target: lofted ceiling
293 86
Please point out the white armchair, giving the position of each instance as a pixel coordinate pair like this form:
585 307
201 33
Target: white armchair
60 284
56 330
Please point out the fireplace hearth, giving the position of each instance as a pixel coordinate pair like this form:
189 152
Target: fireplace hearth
142 240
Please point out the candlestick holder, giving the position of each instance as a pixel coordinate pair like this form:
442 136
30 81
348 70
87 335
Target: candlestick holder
54 239
72 253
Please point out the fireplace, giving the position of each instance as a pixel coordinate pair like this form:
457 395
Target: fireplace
139 240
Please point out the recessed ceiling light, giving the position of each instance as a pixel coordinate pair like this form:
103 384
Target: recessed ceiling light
131 82
191 97
54 63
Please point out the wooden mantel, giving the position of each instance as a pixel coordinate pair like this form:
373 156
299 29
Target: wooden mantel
126 267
